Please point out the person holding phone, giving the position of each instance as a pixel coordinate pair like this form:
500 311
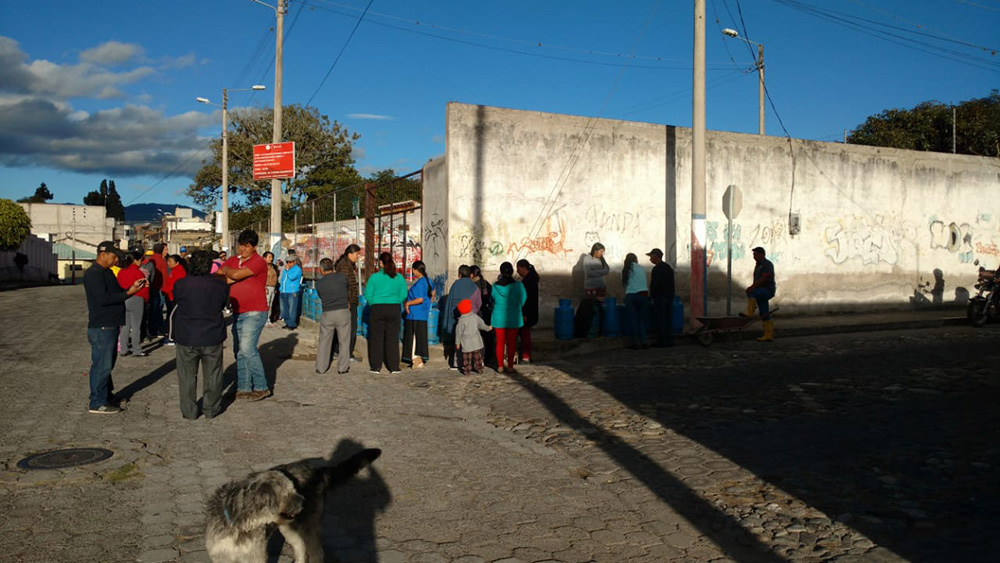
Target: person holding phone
106 314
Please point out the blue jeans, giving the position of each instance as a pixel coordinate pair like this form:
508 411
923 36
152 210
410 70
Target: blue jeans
762 295
102 350
290 309
246 334
635 308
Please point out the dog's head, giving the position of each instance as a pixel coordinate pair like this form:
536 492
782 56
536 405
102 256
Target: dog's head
271 497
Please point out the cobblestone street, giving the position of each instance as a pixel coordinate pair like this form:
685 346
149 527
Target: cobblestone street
877 446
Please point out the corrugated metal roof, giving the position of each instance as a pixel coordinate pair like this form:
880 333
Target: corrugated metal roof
65 252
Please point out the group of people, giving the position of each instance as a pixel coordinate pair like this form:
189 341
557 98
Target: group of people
508 308
480 323
658 291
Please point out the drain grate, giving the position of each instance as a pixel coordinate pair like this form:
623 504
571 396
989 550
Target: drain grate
58 459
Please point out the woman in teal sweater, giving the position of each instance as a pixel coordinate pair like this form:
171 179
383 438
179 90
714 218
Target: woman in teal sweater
385 293
509 297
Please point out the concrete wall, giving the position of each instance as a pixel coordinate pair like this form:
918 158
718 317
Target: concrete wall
875 223
435 222
82 226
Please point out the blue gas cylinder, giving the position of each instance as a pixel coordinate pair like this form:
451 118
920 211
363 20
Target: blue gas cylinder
564 320
677 310
364 315
612 318
432 326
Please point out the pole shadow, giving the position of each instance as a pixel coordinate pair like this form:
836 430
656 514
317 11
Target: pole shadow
898 446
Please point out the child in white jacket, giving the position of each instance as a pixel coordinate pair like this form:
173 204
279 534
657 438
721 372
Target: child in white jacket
468 341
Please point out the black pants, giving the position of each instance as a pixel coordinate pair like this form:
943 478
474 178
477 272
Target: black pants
210 358
662 320
415 329
383 336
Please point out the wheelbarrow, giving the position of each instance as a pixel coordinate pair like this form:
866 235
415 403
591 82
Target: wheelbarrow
710 326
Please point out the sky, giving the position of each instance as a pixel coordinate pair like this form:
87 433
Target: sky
95 90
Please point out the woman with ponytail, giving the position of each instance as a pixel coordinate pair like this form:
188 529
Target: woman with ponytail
385 293
419 300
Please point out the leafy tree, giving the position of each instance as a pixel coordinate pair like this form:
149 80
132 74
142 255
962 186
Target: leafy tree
928 127
42 194
322 157
113 204
15 225
97 197
107 197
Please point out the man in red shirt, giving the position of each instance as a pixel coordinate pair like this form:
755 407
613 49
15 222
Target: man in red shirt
246 272
155 325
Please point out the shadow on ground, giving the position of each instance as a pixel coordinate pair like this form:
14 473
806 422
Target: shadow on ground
901 445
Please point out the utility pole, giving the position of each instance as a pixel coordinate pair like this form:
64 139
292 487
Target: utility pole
698 228
760 95
224 220
276 184
279 34
954 129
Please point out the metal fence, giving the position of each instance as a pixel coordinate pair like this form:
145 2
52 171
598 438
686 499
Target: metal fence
378 217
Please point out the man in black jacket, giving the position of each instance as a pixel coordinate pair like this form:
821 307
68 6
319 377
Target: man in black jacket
199 330
661 292
106 312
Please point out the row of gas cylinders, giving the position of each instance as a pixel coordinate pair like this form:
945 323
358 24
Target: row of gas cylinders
610 318
610 321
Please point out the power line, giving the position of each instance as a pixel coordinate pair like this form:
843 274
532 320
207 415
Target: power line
342 49
868 27
524 42
516 51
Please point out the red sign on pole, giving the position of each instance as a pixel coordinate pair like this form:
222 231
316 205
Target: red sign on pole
274 161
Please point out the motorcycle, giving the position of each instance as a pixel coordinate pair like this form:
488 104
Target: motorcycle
983 306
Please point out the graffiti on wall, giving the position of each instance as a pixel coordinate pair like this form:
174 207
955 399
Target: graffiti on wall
434 235
869 239
553 241
954 238
990 249
717 245
620 222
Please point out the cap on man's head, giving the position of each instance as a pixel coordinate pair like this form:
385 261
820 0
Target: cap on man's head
465 306
655 252
106 246
759 249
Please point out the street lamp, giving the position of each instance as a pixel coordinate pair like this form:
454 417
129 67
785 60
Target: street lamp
224 222
760 71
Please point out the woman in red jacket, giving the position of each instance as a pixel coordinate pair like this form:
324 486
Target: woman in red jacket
175 272
134 305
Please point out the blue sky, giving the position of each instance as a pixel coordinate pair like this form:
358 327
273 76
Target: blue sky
93 90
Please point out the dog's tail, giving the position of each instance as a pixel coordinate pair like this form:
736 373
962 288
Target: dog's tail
341 472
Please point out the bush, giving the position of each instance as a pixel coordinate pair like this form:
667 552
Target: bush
15 225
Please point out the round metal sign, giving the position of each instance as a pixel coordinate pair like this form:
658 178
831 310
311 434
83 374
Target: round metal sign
58 459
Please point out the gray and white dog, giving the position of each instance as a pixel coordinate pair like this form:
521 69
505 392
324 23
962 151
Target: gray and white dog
242 513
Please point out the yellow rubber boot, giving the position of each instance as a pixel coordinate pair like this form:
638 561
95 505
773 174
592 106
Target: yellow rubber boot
768 332
751 308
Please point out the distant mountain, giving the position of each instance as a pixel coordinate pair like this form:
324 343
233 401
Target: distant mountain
151 212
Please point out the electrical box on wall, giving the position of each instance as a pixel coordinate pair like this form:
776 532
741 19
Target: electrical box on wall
794 227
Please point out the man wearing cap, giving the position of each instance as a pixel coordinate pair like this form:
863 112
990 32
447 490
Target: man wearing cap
760 292
661 293
106 312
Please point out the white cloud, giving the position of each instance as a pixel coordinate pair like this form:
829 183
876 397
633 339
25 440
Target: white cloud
46 78
439 139
358 153
111 53
374 116
40 127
